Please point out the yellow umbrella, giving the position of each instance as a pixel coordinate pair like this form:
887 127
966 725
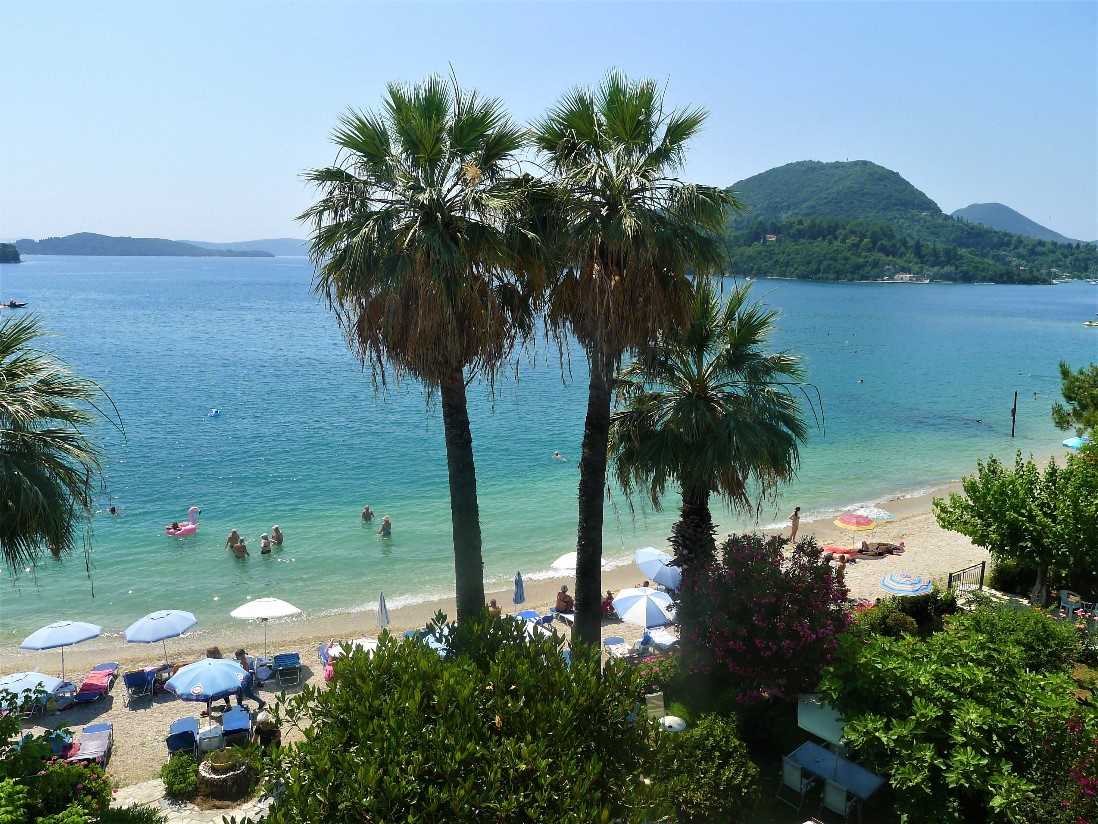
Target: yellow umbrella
855 523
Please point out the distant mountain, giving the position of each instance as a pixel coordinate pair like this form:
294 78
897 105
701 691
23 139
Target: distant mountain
87 243
1005 219
860 221
851 190
281 246
8 253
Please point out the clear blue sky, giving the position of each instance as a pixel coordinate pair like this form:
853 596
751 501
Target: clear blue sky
194 120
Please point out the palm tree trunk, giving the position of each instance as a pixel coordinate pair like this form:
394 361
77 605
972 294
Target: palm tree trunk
592 496
464 512
692 537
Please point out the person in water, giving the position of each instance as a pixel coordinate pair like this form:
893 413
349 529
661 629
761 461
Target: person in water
264 544
113 510
276 535
367 513
386 529
241 550
230 542
175 526
557 456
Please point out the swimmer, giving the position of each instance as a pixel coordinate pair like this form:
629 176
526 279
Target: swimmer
113 510
175 525
276 535
367 513
230 542
241 550
386 529
860 380
557 456
264 544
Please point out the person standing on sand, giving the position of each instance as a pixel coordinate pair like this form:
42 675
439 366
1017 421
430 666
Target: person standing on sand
795 521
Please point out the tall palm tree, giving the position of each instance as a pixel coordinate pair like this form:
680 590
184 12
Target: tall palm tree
709 409
415 253
49 468
629 233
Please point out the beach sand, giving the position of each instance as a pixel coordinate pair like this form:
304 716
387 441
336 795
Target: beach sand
139 733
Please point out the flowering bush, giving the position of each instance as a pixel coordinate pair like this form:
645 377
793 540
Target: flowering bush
762 620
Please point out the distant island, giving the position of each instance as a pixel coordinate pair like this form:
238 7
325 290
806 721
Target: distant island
281 246
1001 217
88 243
8 253
857 220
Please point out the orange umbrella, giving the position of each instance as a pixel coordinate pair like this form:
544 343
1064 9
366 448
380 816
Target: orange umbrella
855 523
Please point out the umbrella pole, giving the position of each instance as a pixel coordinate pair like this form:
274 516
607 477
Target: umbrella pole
164 641
62 663
265 638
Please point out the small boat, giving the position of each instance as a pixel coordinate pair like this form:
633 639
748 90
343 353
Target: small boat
14 304
1093 324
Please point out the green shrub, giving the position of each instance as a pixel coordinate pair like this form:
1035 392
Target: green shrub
13 802
133 815
657 674
1012 575
60 785
910 615
180 776
73 814
968 723
705 773
501 729
227 760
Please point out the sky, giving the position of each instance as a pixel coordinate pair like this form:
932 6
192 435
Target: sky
195 120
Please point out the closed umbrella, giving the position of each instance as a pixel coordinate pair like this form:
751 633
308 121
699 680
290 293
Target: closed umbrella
644 606
901 583
656 566
264 609
382 612
520 589
18 683
159 626
61 634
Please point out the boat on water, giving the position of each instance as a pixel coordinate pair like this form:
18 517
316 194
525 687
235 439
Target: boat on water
1056 281
1093 324
13 304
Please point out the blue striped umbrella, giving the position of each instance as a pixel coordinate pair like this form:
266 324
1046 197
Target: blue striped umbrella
900 583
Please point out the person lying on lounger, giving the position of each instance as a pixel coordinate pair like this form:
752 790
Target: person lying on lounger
881 547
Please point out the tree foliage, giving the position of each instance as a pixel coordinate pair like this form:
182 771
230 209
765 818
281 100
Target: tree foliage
763 620
1048 519
1079 411
708 409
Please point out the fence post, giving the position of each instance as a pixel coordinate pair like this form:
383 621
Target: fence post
982 565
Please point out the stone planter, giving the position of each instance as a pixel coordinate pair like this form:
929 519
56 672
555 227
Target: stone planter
231 785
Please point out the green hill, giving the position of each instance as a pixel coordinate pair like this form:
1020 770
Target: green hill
860 221
8 253
88 243
1005 219
281 246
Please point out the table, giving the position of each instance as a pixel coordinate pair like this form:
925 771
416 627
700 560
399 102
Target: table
858 781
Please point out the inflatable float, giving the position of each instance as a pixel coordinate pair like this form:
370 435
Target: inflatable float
183 530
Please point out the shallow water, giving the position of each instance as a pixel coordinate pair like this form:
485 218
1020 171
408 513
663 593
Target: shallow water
304 440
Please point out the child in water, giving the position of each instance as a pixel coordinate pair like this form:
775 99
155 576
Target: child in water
276 535
264 544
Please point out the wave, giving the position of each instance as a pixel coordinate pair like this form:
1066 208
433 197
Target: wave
827 513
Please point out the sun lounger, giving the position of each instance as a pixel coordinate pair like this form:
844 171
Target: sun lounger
568 617
615 646
95 745
236 726
287 668
97 683
662 638
138 683
183 736
527 615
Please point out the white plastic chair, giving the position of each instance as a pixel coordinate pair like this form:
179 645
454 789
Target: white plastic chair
795 779
836 799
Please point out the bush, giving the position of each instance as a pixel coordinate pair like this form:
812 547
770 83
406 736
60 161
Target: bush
968 723
73 814
13 802
1012 575
762 620
133 815
909 615
501 729
60 785
180 776
657 674
705 773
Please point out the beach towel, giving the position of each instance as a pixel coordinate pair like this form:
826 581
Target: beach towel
96 684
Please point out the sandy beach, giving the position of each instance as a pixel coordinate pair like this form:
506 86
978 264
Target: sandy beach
139 732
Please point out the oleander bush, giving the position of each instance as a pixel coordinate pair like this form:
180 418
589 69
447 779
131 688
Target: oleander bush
180 776
969 724
501 729
133 815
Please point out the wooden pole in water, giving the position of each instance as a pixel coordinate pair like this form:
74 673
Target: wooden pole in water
1013 413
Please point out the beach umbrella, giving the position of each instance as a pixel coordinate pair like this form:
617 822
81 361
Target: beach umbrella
382 612
855 522
874 513
1076 442
565 563
19 682
60 634
900 583
644 606
656 566
264 609
159 626
207 680
520 589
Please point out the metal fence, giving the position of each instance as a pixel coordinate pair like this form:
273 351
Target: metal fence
969 578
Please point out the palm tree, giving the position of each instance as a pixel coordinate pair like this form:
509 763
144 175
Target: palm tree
415 253
629 233
48 465
709 409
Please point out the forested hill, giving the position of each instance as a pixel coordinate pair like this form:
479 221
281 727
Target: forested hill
860 221
998 216
8 253
87 243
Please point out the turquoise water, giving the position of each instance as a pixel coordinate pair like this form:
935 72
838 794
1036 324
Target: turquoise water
304 440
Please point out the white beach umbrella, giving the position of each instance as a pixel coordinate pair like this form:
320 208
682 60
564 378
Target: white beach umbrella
644 606
61 634
565 563
263 609
382 612
656 565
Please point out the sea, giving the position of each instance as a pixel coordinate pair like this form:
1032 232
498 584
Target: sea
915 383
